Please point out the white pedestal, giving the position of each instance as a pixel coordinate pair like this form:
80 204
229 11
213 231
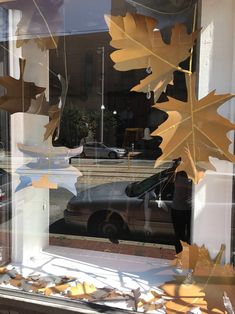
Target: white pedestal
30 206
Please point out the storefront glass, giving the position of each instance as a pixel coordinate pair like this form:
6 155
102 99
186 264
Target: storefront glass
116 155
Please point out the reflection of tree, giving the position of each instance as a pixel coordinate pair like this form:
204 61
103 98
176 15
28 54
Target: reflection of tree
74 127
110 124
76 124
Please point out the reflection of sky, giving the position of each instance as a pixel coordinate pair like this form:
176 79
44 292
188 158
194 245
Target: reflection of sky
86 16
76 17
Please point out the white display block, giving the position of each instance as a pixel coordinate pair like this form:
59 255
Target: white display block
30 206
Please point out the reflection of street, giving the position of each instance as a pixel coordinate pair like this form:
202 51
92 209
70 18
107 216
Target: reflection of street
99 171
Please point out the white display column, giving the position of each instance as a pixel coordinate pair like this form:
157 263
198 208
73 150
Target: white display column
213 195
30 206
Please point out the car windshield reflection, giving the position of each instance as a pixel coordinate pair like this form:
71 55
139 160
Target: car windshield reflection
138 189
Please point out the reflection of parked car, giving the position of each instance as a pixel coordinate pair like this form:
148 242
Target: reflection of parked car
99 150
110 209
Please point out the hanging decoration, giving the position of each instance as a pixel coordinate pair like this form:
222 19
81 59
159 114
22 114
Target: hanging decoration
192 125
140 45
55 112
40 21
19 93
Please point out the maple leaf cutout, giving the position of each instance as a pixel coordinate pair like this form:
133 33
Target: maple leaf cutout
195 124
211 278
19 92
141 46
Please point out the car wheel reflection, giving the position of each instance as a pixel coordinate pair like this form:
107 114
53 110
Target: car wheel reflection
106 224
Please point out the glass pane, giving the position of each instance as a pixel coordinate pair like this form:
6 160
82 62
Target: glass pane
116 156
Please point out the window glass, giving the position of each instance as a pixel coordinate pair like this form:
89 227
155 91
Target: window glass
116 178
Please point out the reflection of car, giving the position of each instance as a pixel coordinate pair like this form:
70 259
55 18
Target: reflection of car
99 150
110 209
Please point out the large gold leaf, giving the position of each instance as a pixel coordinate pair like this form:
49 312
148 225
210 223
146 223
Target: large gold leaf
195 124
140 45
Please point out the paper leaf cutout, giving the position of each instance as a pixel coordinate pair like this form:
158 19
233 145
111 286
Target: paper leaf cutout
49 151
140 46
211 278
197 126
81 290
56 111
19 92
136 294
44 183
54 114
39 105
40 20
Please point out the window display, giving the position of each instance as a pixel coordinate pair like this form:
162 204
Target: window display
117 152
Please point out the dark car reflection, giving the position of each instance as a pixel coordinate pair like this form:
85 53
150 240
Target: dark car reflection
117 208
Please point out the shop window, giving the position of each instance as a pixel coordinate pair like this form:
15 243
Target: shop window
116 159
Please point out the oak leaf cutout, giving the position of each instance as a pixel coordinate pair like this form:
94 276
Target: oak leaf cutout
40 21
197 127
19 93
140 46
211 280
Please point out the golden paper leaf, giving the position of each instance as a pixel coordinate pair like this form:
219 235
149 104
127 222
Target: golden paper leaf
140 45
197 126
44 183
211 279
54 114
81 290
19 93
184 297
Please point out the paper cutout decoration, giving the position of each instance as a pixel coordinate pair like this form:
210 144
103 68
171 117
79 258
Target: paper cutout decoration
49 151
140 45
195 124
168 13
57 178
19 92
54 114
51 169
39 105
56 111
211 279
44 182
40 21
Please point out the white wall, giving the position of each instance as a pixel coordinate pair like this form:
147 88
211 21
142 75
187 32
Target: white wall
213 196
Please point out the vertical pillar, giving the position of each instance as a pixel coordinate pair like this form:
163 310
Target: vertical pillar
213 196
30 206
